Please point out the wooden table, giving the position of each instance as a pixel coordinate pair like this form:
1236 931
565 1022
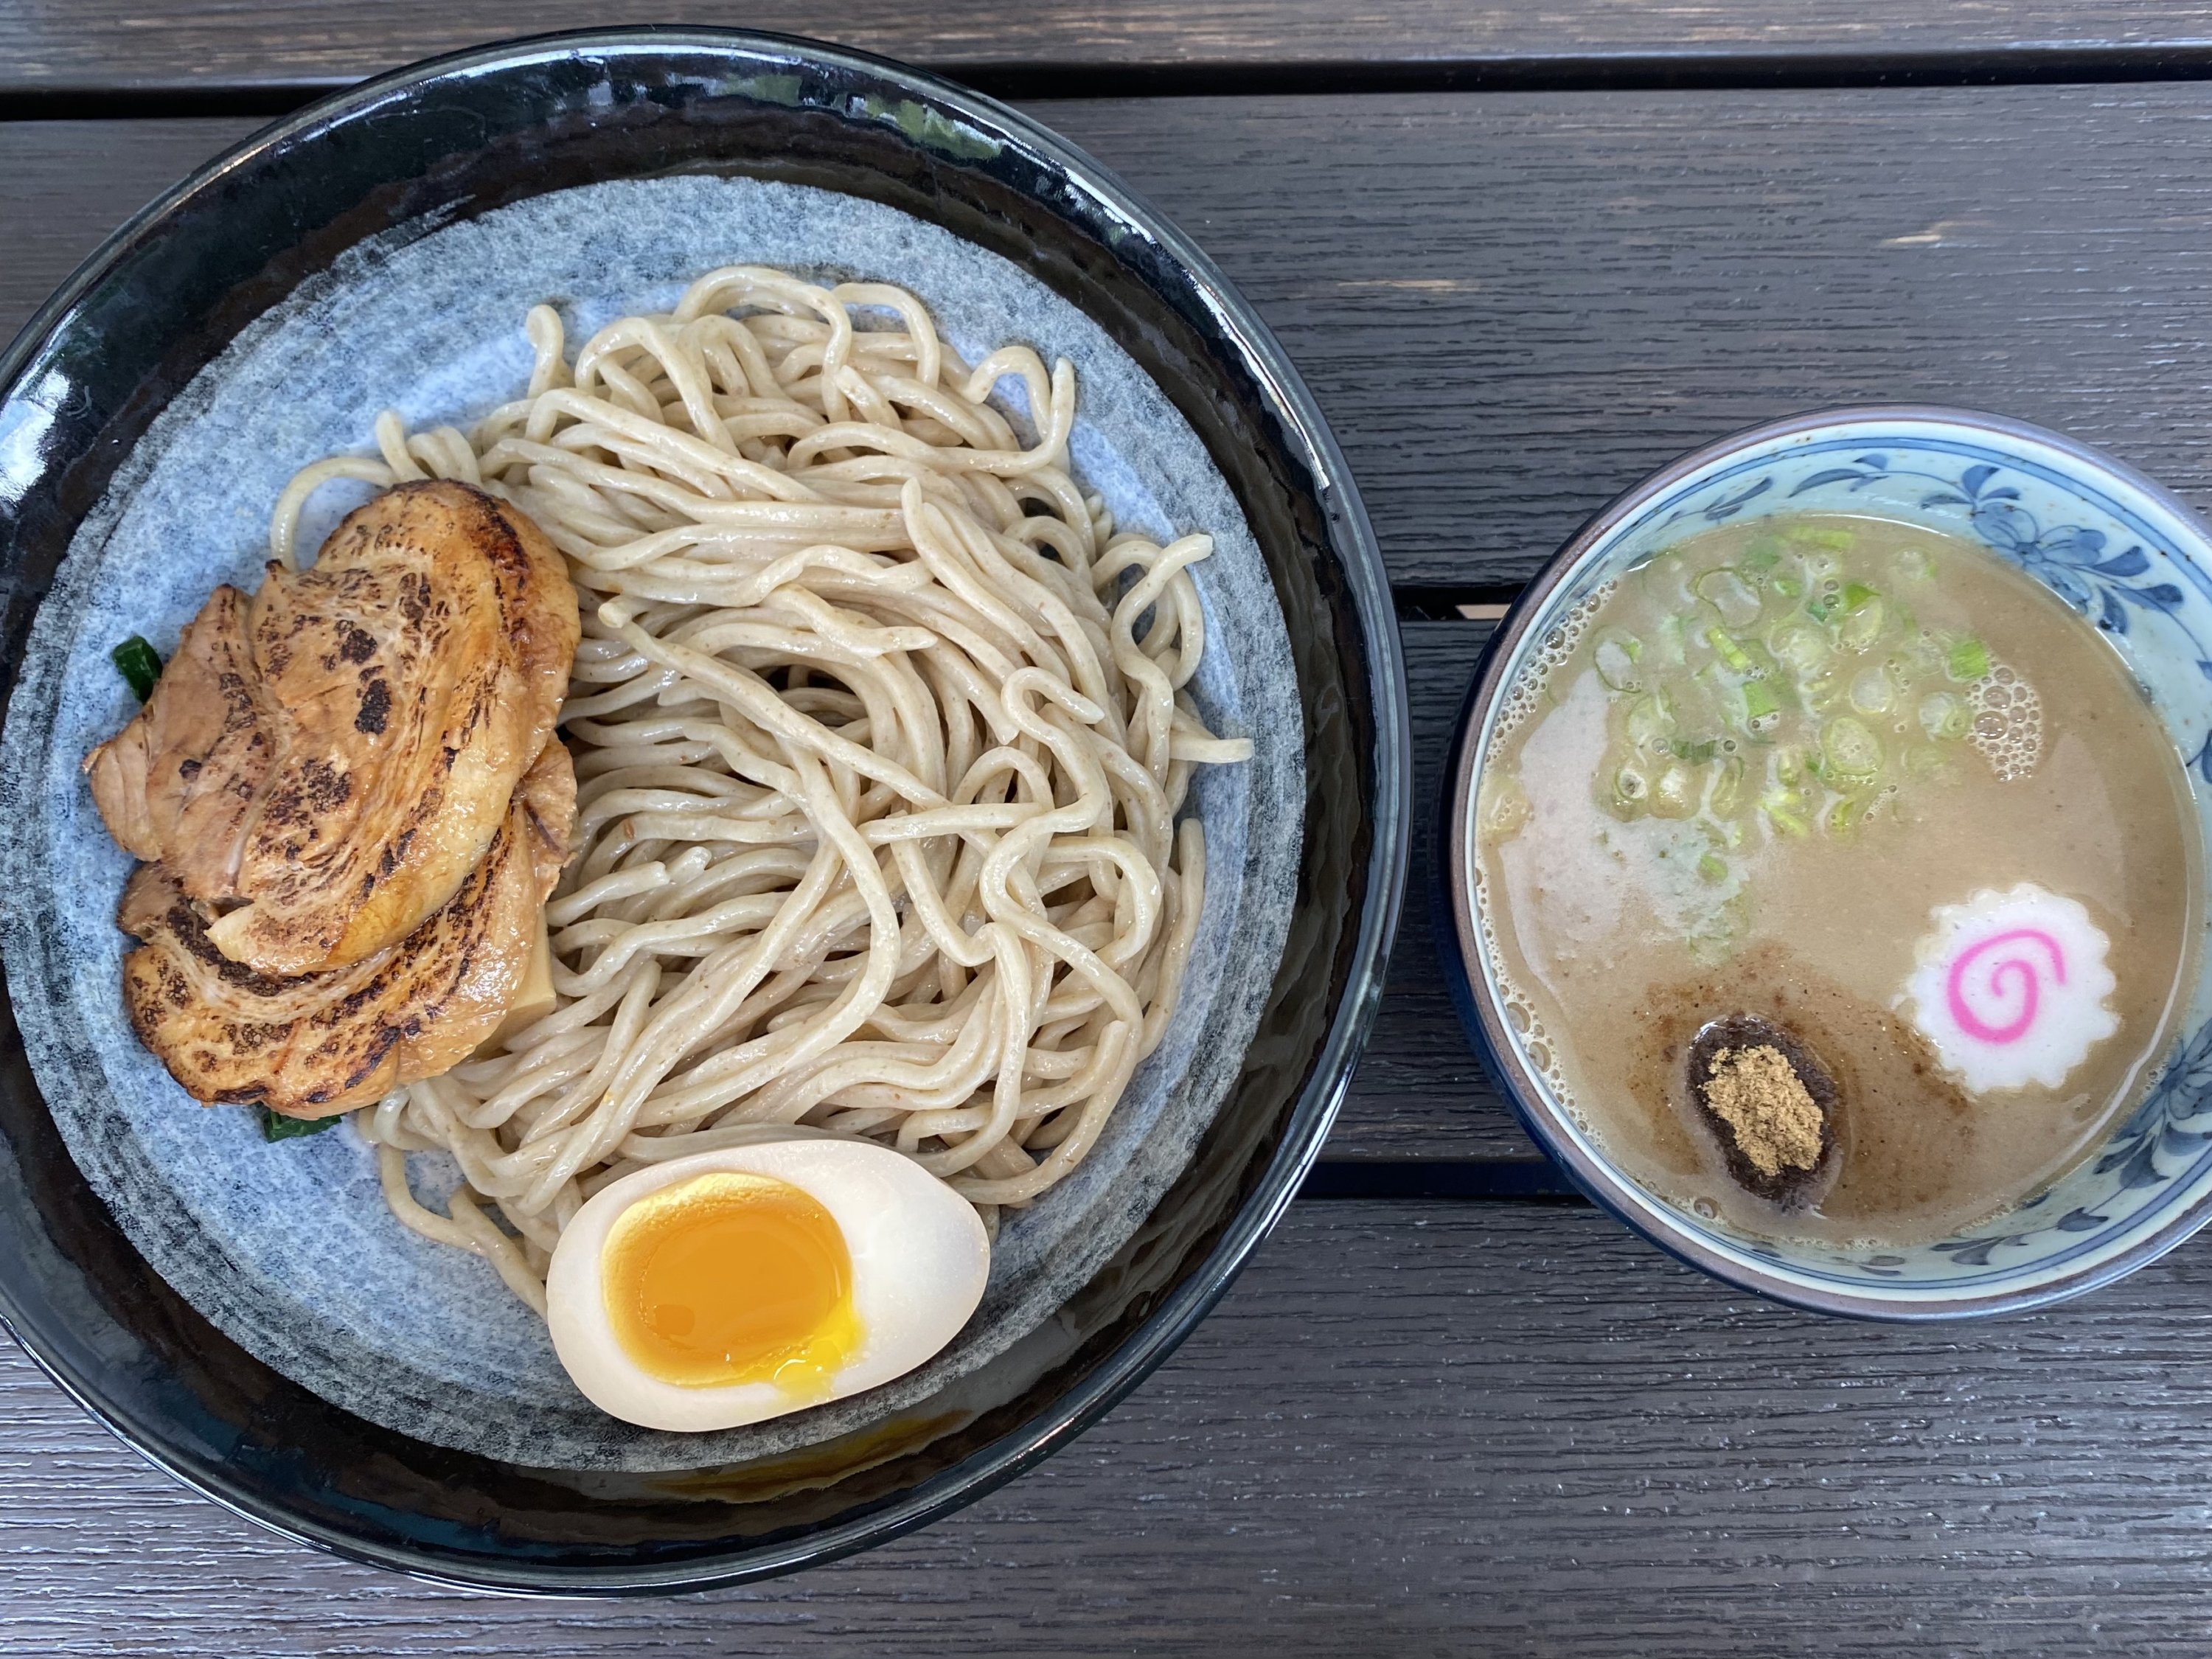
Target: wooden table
1522 253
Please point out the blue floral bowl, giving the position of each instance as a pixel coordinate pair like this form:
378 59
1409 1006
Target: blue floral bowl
2135 562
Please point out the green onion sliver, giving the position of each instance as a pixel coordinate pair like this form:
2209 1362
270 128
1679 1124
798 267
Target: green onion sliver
139 664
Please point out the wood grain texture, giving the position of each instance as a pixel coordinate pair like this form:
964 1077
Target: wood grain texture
1420 1091
1512 307
109 43
1409 1430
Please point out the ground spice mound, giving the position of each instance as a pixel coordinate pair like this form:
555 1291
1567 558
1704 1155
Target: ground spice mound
1778 1123
1770 1103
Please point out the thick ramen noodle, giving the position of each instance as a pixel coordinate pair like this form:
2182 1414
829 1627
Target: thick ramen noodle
881 733
1876 791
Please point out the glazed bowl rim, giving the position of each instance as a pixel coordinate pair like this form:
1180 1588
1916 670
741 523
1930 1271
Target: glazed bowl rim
1595 1175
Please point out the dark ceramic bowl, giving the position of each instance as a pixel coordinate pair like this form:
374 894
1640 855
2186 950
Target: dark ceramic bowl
457 138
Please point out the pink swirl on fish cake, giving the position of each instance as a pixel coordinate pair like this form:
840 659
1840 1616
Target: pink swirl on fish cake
2009 987
2019 969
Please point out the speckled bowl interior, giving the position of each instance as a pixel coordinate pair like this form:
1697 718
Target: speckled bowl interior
289 1249
248 1313
2132 561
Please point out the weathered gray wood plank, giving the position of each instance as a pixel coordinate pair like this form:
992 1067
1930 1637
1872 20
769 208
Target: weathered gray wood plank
1409 1430
1420 1093
1511 306
108 43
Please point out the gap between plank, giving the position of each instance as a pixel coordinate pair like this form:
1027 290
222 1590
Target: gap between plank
2020 65
2023 65
1491 1179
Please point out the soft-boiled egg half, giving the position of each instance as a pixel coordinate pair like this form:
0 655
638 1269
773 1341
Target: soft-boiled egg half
730 1286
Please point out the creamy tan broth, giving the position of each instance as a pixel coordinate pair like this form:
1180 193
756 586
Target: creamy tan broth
1661 847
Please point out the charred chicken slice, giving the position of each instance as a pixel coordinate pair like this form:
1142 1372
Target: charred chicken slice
189 772
325 1043
324 763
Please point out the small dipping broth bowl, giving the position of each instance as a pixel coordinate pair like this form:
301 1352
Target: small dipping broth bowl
2125 556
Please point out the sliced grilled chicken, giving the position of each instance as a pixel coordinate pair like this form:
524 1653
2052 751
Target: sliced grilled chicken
322 764
189 772
325 1043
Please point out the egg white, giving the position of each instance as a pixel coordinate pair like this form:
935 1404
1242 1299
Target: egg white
920 1259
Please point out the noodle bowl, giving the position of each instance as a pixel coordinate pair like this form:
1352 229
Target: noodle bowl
881 736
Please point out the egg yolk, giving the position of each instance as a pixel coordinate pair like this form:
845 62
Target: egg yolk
731 1278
